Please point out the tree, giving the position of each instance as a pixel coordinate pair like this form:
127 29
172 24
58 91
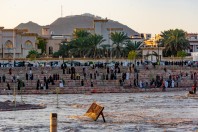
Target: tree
131 45
119 39
104 50
132 55
33 54
173 41
41 42
80 43
81 34
181 54
94 43
63 50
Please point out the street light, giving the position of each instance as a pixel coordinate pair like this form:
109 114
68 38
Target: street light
157 40
158 61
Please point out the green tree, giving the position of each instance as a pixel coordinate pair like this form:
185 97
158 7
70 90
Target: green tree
64 50
32 54
119 39
94 43
104 50
81 34
132 55
130 45
41 42
80 43
181 54
173 41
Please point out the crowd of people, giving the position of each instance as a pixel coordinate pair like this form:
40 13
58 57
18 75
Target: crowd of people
100 71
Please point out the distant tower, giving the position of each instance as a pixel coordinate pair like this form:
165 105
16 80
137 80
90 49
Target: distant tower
46 31
100 26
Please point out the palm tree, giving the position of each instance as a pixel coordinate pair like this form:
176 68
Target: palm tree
80 46
80 43
131 45
173 41
132 55
33 54
41 42
94 43
118 38
181 54
81 34
104 50
63 51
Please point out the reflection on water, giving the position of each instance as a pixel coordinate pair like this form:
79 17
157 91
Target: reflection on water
163 111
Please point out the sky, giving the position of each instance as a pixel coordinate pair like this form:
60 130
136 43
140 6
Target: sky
143 16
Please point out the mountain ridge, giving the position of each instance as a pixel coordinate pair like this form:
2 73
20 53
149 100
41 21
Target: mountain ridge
65 25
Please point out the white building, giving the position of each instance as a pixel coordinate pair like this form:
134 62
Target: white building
16 43
193 39
99 28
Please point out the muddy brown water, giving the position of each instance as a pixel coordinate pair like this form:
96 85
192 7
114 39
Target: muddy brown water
124 112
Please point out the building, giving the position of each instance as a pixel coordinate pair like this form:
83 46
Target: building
193 39
99 28
53 41
16 43
151 50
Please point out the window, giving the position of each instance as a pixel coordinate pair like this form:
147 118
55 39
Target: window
28 45
9 44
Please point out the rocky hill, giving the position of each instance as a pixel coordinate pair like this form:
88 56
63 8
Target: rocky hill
31 26
65 25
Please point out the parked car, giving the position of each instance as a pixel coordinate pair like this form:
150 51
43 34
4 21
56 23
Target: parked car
110 64
8 64
19 64
29 64
42 64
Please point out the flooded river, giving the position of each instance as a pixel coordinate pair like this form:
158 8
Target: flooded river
124 112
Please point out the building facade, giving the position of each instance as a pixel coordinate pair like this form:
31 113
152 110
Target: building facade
16 43
99 28
193 39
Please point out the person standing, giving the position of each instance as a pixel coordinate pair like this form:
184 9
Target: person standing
4 78
10 71
8 86
63 70
173 84
195 82
37 84
61 84
26 76
19 84
91 83
82 82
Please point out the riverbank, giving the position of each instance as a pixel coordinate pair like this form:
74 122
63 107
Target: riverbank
12 106
90 90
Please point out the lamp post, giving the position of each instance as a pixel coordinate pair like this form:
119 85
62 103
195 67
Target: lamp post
157 40
158 59
111 45
15 94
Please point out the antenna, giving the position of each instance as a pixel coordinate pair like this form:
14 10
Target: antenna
61 11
